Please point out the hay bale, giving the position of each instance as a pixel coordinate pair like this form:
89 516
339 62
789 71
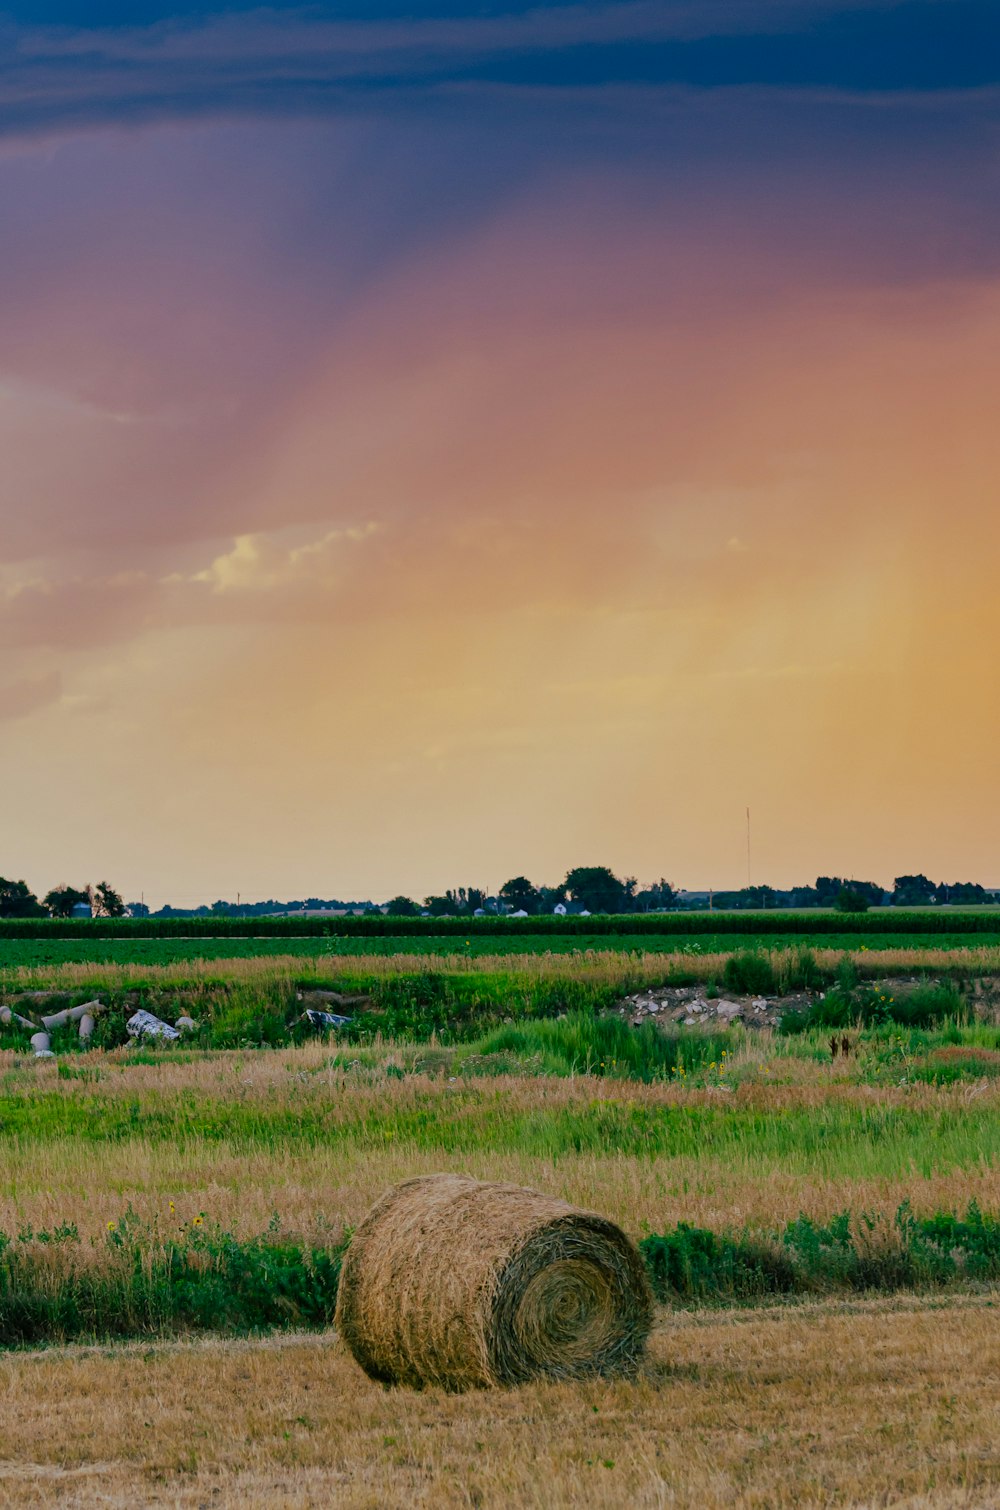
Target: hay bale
453 1282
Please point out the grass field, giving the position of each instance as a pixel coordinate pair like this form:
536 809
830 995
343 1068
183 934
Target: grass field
852 1206
871 1403
128 949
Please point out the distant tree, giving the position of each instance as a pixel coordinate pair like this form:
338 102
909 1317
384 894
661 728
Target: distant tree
60 901
519 895
402 907
829 888
913 891
748 898
137 909
459 900
106 902
657 896
17 900
549 897
441 906
964 894
598 889
805 896
850 899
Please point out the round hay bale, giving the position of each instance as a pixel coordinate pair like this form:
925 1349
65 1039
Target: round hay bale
454 1282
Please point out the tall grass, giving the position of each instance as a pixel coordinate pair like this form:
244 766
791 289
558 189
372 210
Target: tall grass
141 1281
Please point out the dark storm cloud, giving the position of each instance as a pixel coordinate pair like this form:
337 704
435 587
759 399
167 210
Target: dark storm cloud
63 68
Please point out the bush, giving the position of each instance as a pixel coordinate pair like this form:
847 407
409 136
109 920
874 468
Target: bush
846 1253
749 974
691 1263
922 1007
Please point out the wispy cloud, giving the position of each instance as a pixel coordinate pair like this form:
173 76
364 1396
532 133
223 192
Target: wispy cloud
267 61
19 698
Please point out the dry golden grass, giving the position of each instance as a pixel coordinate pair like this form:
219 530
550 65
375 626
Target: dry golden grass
868 1404
602 966
317 1188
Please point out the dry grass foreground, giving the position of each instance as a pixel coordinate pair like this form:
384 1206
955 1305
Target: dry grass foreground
877 1403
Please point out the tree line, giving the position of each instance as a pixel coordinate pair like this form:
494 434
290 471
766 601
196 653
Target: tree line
587 888
17 900
595 888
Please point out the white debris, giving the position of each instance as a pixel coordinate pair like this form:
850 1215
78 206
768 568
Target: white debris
326 1020
42 1045
145 1025
7 1016
186 1025
72 1014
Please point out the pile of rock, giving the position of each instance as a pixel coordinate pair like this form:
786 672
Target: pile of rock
689 1007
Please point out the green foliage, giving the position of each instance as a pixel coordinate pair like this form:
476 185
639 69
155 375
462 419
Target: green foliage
17 900
804 973
60 901
148 1283
922 1006
692 1263
846 1253
606 1046
144 1281
749 974
851 900
598 889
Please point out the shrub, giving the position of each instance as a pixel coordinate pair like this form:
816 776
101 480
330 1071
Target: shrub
749 974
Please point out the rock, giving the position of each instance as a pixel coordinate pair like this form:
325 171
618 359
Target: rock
690 1021
728 1010
145 1025
42 1045
87 1025
186 1025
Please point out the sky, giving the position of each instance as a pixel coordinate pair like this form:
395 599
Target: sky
443 442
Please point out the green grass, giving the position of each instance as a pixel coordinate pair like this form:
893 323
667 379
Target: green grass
865 1252
836 1139
142 1281
135 949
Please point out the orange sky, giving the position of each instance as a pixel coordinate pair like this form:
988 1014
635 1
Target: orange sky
558 540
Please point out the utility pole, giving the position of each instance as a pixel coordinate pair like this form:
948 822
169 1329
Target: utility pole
748 849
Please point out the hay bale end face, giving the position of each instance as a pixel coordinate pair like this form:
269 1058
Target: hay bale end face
453 1282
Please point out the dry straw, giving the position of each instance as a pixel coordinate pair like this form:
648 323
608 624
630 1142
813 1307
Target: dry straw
453 1282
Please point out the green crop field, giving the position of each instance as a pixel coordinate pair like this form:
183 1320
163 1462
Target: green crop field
127 948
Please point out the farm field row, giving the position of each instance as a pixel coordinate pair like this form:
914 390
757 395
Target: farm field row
245 1002
128 949
829 1404
242 1137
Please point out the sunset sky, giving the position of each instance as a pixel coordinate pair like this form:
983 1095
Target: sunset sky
443 441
